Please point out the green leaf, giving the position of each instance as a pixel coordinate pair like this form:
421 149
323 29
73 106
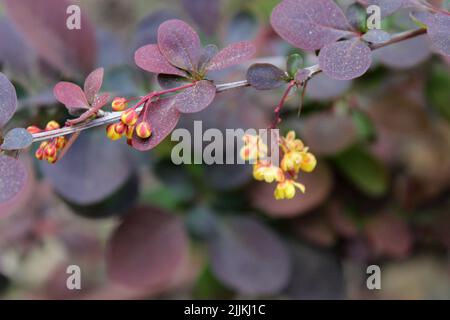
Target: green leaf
437 91
294 62
365 171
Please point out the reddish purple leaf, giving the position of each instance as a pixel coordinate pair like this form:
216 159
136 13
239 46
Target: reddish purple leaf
345 60
196 98
92 84
43 24
147 249
206 13
163 118
13 177
310 24
180 44
231 55
209 52
8 100
70 95
265 76
150 59
248 257
17 139
100 101
439 33
405 54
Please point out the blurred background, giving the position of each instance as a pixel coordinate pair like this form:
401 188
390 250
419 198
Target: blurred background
141 227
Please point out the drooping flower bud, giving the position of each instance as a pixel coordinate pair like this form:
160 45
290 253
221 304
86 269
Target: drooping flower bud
52 160
120 128
111 132
33 129
143 130
60 142
129 117
50 150
52 125
119 104
129 132
39 154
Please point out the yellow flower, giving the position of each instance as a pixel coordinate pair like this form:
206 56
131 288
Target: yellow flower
267 172
292 143
253 148
309 162
286 189
292 161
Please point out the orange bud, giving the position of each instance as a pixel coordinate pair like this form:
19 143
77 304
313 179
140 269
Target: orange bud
119 104
43 145
129 132
33 129
129 117
60 142
52 125
120 128
39 154
111 132
143 130
52 160
50 151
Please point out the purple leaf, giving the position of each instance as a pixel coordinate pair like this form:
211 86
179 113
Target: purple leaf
321 87
17 139
180 44
43 24
150 59
70 95
439 33
405 54
388 7
345 60
206 13
265 76
376 36
13 177
196 98
92 84
209 52
87 175
147 249
8 100
168 81
310 24
248 257
100 101
163 118
231 55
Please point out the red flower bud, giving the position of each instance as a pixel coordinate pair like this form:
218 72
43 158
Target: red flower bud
39 154
143 130
33 129
50 150
129 117
111 132
119 104
52 125
120 128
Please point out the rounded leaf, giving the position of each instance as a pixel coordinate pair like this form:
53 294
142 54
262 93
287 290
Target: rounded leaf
376 36
163 118
196 98
146 250
231 55
248 257
92 84
179 44
8 100
92 169
70 95
17 139
309 24
345 60
265 76
150 59
13 177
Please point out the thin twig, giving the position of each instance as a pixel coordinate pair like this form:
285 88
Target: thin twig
111 117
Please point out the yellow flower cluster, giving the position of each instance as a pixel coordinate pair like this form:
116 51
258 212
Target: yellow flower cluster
295 158
48 150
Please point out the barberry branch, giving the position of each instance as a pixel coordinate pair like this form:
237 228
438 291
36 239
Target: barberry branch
111 117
